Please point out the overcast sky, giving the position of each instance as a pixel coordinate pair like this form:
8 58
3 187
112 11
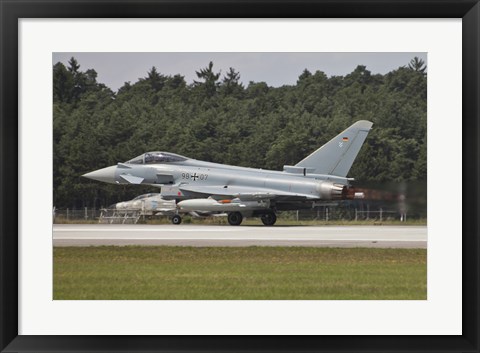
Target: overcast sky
276 69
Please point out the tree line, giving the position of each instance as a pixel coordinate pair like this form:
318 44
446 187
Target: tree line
217 118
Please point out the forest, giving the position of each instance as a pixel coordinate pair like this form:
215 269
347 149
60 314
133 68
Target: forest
218 118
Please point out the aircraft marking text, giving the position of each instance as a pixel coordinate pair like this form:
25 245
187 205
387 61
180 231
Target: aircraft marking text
194 176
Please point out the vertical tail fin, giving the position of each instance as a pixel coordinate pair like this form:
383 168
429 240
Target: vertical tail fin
337 155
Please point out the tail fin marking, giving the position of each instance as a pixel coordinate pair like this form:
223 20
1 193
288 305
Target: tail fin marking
337 155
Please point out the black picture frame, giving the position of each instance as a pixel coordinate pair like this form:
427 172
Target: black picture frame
12 10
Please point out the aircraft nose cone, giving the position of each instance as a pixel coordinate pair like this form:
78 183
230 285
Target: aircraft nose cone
106 175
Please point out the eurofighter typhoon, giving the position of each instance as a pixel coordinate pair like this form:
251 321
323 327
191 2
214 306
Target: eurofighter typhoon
199 186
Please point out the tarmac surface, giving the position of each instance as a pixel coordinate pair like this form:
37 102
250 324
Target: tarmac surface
224 235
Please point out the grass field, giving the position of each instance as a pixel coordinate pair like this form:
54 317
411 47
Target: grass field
238 273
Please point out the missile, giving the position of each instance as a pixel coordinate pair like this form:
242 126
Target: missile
212 205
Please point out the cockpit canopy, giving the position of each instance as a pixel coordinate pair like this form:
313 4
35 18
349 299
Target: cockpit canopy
157 157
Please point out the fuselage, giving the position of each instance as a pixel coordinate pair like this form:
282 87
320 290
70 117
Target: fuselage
197 178
200 173
319 176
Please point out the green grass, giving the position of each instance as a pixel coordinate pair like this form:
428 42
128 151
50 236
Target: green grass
238 273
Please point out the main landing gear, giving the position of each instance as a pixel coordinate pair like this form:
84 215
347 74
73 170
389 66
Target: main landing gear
269 219
235 218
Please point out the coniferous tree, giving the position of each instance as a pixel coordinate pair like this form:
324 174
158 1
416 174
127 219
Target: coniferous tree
210 80
231 85
417 65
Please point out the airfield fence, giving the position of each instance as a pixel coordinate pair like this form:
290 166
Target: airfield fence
320 213
339 214
85 214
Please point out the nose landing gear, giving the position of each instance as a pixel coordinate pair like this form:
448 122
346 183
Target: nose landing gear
176 219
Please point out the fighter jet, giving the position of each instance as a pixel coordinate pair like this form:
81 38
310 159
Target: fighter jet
202 186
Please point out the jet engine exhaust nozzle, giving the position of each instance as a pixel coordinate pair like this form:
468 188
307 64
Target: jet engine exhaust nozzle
332 191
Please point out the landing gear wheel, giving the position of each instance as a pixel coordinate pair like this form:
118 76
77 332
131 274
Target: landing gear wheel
269 219
235 218
176 219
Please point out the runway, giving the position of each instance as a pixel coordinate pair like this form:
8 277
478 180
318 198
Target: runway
222 235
